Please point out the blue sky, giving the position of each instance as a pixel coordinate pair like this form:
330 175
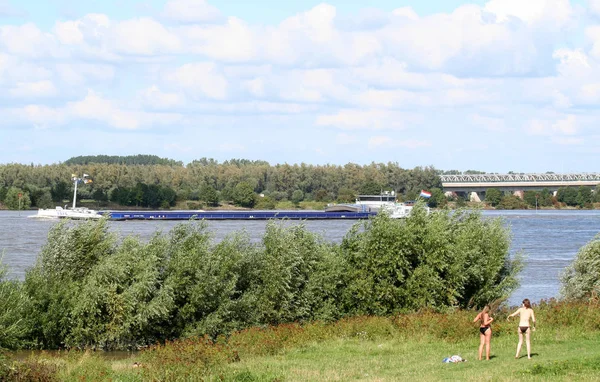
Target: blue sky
496 85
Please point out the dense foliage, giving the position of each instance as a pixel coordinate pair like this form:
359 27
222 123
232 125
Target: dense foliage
13 304
577 196
581 279
91 289
209 182
142 195
433 261
139 159
582 197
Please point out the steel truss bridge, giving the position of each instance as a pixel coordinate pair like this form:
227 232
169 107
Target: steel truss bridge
516 182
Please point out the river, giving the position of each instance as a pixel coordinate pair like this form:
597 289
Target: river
549 240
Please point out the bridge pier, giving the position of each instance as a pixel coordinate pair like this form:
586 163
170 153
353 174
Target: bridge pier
474 197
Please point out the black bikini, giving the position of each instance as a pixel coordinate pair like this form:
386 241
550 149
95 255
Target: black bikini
523 329
483 329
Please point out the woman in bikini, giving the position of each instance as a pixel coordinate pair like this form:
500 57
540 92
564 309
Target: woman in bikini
525 314
485 331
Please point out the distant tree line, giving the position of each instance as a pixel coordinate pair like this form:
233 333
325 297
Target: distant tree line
581 196
206 181
140 159
142 195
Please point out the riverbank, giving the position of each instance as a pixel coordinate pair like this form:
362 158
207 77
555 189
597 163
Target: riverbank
287 206
405 347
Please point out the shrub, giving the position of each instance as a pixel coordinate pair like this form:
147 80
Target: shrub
493 196
581 279
13 306
31 370
432 261
185 360
281 280
53 284
512 202
121 304
90 289
207 282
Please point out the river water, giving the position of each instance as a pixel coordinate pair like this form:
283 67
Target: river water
549 240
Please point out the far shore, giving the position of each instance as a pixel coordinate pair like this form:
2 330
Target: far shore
286 206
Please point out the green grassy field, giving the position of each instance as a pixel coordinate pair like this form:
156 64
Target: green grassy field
407 347
561 357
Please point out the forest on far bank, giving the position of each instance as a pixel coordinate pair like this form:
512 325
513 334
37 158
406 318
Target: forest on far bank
147 181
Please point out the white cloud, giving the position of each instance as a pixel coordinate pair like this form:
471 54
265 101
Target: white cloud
27 40
590 93
393 99
594 7
572 62
532 11
190 11
406 12
567 141
536 127
475 69
39 115
316 85
345 139
80 74
256 87
33 89
253 107
68 32
561 101
488 123
593 35
200 79
232 41
144 36
157 99
381 141
363 119
462 41
565 126
94 27
317 24
95 107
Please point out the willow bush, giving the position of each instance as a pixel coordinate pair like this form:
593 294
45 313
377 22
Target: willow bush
53 284
581 279
13 306
439 260
122 302
91 289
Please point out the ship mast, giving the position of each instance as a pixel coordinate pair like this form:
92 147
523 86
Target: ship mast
76 180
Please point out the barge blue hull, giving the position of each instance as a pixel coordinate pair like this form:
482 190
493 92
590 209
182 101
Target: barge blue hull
235 215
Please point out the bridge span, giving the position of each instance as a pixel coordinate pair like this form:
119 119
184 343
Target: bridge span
517 183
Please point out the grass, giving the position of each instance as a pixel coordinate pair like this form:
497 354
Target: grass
561 359
409 347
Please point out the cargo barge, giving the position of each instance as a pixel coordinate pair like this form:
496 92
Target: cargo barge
234 215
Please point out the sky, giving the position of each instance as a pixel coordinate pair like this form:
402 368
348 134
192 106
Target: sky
496 86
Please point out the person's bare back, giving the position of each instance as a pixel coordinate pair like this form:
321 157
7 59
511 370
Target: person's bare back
525 315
